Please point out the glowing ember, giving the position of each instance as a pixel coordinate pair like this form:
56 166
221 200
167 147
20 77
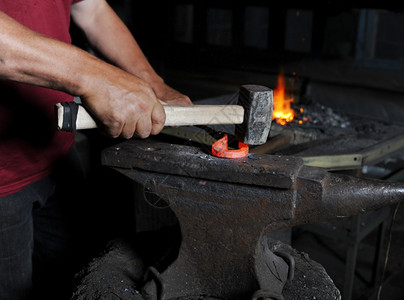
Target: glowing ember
282 113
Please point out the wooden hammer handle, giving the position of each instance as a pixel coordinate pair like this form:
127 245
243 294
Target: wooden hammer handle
71 116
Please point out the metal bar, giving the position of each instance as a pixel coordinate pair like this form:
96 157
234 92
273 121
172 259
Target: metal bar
335 162
356 160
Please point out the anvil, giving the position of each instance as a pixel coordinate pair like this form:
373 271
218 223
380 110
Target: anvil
226 208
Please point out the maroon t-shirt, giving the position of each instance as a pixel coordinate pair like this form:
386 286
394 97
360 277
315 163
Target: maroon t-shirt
30 145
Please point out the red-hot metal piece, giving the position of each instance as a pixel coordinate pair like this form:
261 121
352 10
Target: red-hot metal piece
220 148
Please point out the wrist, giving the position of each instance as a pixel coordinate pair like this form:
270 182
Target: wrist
152 78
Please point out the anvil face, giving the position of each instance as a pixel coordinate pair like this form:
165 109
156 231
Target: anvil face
256 169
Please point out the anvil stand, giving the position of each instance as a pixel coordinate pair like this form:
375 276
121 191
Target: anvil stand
224 251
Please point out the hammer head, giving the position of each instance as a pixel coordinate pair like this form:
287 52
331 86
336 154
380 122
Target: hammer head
258 105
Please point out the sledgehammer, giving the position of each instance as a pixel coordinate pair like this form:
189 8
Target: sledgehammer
252 115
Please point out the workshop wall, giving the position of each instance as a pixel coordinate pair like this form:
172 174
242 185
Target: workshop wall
251 31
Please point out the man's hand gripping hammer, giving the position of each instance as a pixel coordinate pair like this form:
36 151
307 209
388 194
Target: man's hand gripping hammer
252 116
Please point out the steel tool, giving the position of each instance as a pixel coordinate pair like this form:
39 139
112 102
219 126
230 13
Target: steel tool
226 208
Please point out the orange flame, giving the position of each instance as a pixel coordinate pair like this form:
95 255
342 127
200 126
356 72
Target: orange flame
282 113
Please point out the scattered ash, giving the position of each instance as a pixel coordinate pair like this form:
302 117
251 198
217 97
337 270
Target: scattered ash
371 127
329 120
316 121
325 122
318 129
319 115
